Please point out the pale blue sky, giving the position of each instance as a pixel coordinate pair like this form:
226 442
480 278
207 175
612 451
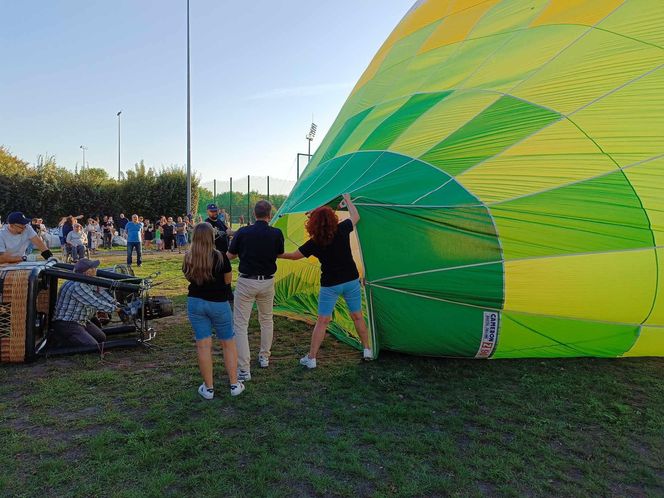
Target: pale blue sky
259 71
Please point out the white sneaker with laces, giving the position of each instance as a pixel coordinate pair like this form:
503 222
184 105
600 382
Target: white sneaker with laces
243 375
205 391
308 362
263 361
237 389
367 355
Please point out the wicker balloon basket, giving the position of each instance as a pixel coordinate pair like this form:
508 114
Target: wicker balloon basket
29 292
16 344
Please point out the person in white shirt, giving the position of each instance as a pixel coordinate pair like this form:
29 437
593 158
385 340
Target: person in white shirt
90 230
76 241
43 232
16 236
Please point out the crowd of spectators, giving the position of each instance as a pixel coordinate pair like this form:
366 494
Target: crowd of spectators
79 236
207 267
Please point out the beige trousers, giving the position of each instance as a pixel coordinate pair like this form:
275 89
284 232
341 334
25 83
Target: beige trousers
246 292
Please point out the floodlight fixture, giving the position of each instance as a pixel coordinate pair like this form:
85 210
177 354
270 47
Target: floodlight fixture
310 137
312 132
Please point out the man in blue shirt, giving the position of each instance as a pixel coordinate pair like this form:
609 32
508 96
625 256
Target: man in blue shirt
134 238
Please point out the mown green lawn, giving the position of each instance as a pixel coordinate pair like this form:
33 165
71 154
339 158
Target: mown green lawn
131 423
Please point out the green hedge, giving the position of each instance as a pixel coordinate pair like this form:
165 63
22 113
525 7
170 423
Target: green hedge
50 192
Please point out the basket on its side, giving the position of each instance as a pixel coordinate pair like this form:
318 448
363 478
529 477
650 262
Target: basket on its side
13 314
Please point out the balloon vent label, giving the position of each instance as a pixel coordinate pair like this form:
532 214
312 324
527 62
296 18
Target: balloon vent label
489 334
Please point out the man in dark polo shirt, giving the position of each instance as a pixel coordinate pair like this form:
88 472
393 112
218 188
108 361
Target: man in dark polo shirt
258 246
221 232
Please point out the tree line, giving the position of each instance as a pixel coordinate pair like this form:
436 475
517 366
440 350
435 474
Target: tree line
49 191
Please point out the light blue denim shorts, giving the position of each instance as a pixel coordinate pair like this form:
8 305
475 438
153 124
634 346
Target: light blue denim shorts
351 291
208 315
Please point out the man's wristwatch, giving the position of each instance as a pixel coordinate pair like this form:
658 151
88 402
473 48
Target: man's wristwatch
24 257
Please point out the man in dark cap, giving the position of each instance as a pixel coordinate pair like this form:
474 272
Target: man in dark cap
16 236
77 303
221 231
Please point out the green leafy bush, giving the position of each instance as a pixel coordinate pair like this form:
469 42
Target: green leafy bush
50 192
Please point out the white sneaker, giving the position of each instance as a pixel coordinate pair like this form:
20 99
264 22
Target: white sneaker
308 362
205 391
237 389
243 375
263 361
367 355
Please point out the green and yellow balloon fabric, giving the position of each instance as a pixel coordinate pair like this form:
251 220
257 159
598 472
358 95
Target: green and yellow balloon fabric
507 160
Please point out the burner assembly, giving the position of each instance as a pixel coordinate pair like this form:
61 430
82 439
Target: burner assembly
28 294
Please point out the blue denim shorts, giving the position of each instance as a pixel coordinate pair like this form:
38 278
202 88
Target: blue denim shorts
181 239
327 297
207 315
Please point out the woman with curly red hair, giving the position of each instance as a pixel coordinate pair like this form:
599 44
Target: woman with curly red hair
330 243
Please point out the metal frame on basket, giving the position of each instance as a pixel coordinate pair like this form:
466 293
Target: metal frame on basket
29 308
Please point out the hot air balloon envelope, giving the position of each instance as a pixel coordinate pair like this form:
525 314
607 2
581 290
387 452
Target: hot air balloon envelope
507 161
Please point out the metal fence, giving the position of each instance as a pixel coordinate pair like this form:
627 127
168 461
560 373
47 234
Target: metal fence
237 195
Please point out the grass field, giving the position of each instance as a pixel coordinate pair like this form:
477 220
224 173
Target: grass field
131 423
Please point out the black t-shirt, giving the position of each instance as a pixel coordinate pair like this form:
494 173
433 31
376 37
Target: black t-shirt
258 246
220 235
168 229
216 289
336 258
108 226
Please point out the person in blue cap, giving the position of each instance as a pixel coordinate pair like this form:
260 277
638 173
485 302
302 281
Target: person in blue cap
15 238
221 232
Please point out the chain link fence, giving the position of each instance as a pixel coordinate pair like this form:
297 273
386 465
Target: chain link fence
237 195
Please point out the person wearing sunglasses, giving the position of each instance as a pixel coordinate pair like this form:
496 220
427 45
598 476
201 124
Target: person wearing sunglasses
16 236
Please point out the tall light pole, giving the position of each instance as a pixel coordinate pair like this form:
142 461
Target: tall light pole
83 148
119 112
188 123
310 136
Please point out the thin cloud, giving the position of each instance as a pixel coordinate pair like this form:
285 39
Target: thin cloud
301 91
